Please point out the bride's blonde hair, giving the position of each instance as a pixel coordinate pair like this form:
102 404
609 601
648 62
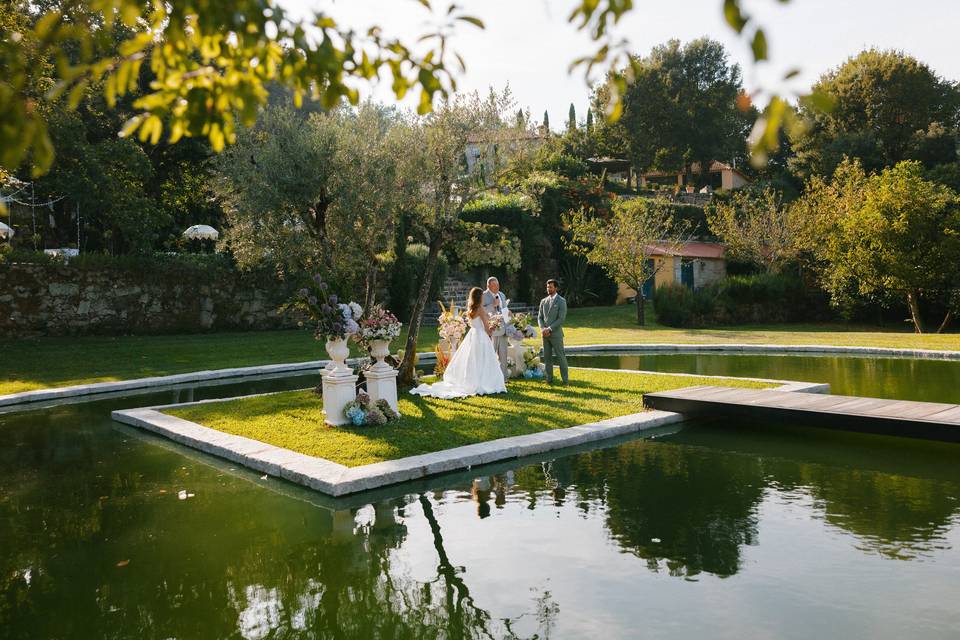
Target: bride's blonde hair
474 299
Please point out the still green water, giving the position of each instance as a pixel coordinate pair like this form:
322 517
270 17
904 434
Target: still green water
927 380
716 531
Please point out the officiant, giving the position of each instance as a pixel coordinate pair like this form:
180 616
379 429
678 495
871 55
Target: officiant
495 304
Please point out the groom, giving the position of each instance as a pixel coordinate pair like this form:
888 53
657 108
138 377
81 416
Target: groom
494 302
550 318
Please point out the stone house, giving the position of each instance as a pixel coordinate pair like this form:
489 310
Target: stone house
722 177
695 265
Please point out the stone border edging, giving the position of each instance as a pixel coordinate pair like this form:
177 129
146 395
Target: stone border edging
55 393
934 354
337 480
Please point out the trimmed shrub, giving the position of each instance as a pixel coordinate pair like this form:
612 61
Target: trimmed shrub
761 298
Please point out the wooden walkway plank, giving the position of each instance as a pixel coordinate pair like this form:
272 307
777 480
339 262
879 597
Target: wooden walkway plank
927 420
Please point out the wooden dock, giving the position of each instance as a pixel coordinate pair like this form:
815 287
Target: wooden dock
925 420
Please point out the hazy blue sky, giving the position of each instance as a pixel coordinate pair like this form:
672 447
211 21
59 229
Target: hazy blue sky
530 44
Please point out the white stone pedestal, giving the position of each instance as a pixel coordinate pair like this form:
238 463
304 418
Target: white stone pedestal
382 385
339 389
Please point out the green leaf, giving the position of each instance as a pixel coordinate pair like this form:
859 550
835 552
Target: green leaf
733 15
477 22
759 46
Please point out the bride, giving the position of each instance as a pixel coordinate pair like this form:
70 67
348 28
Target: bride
474 369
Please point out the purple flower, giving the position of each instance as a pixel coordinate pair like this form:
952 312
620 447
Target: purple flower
318 279
323 285
333 300
312 299
326 308
303 293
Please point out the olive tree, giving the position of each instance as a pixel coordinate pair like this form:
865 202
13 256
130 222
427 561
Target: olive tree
314 193
436 163
756 227
625 243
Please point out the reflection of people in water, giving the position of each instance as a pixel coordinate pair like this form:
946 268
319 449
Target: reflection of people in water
481 489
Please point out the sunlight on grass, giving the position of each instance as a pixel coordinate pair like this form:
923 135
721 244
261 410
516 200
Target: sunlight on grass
294 420
56 362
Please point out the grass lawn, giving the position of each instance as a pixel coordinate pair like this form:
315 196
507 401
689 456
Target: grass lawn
56 362
294 419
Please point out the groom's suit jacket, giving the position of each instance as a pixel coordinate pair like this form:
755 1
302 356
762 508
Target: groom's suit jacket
552 315
488 301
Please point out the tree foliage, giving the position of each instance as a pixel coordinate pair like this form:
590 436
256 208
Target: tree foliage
682 106
756 228
317 193
886 107
891 232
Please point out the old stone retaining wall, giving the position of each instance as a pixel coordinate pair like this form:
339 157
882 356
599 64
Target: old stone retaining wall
62 299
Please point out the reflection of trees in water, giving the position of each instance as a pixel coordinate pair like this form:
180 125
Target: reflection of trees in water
674 506
252 565
897 516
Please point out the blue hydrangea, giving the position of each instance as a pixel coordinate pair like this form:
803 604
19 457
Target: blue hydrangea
357 416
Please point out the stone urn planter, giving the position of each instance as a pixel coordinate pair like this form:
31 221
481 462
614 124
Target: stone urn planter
380 349
338 351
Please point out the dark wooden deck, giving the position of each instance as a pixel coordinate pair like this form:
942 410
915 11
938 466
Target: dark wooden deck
925 420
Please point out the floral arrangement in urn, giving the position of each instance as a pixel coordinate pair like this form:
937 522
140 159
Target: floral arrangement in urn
377 324
364 412
335 320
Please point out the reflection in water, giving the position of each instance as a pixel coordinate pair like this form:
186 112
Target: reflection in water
763 524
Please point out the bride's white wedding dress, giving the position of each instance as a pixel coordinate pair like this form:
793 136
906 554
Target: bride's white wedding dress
473 370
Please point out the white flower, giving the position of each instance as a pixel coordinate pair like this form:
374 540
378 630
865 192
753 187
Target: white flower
357 310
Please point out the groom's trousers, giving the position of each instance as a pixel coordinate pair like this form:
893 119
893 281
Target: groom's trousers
553 348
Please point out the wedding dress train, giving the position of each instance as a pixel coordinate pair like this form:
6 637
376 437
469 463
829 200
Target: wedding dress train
473 370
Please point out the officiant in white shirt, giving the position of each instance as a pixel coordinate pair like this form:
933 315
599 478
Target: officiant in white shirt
495 303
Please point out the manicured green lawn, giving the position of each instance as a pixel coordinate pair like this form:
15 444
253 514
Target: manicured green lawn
57 362
294 420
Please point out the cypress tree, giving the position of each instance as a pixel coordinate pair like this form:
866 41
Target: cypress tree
546 120
589 120
572 118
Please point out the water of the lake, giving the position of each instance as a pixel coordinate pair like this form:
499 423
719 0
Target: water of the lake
711 530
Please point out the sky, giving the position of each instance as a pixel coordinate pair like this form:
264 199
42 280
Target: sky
530 44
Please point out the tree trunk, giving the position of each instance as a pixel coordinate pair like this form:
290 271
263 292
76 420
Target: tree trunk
371 293
946 321
641 306
407 373
913 301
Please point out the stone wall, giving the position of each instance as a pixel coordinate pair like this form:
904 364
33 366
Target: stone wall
60 299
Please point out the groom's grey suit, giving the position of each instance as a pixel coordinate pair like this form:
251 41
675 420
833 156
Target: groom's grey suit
494 303
552 314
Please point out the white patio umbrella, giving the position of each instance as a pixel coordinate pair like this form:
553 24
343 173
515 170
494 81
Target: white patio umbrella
5 231
201 232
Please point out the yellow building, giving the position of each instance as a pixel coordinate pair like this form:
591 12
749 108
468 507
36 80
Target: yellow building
696 264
